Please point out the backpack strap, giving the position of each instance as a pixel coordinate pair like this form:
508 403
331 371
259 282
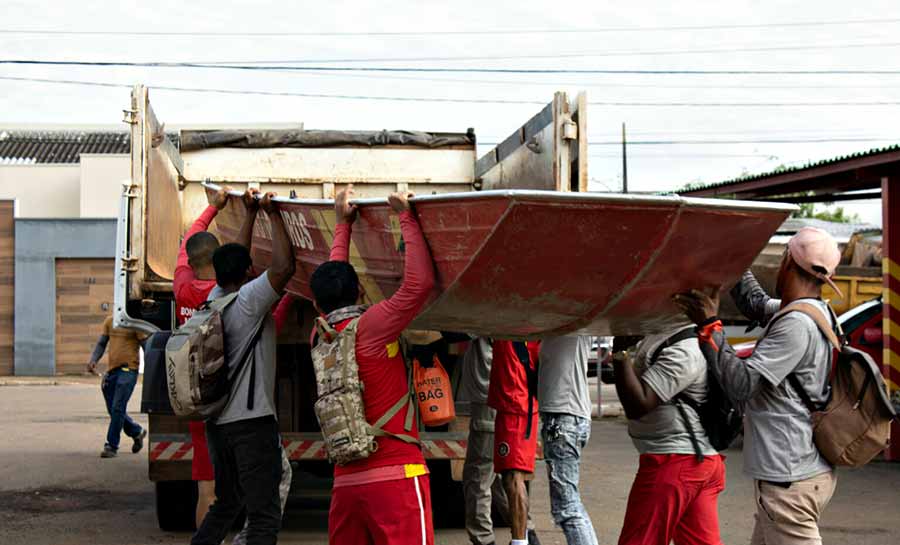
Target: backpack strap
377 429
816 315
219 305
836 340
681 400
531 376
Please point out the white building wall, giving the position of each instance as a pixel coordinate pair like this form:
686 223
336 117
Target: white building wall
90 189
42 191
101 184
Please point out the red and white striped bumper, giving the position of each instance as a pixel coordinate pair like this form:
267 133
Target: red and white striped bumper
305 449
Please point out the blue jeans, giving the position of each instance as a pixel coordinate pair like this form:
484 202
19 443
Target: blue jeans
564 437
117 387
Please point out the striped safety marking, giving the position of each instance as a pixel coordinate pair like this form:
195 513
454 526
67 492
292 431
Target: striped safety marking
891 329
306 450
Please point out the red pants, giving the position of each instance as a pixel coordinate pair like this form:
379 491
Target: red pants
201 466
396 512
674 497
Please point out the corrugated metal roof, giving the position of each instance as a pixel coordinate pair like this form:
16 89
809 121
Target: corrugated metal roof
837 230
54 147
780 171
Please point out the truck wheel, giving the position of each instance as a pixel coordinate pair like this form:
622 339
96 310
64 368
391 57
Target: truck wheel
448 505
176 503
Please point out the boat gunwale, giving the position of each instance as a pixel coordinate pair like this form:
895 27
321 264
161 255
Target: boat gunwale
551 196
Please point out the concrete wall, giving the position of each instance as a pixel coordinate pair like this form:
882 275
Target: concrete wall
38 243
90 189
42 191
101 184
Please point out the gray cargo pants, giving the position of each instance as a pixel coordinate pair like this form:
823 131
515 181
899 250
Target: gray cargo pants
481 486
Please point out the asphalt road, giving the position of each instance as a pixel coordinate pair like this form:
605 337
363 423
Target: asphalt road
54 488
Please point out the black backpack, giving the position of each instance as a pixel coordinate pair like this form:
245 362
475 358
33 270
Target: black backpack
722 420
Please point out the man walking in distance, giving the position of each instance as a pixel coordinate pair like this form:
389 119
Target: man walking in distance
118 384
512 394
481 486
244 442
565 430
675 495
384 499
793 481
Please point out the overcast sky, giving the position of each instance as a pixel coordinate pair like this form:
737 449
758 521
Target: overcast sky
629 36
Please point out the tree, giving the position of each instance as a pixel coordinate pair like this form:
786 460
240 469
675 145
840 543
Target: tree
837 215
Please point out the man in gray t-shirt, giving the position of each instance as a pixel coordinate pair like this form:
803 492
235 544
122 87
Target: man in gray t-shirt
794 483
244 443
675 493
565 406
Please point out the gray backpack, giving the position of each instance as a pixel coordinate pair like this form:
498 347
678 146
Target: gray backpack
340 408
199 383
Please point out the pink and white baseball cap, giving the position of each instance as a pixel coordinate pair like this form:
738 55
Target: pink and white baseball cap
816 252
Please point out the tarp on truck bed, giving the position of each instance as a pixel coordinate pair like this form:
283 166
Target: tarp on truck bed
289 138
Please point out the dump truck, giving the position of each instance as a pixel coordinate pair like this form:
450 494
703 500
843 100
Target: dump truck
166 193
520 250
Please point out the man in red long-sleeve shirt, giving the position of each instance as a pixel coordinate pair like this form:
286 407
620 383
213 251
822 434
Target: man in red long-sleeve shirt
194 278
384 499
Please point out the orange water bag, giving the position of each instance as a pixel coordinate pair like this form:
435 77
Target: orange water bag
434 393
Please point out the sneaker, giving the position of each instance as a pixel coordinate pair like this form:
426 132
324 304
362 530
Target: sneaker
139 442
533 538
108 453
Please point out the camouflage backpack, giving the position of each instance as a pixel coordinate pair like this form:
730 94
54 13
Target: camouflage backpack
198 379
340 408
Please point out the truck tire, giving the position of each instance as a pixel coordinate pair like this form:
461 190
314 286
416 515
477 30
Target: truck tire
448 505
176 503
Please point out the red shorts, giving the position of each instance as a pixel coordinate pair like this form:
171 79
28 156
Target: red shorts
396 512
201 466
512 450
674 497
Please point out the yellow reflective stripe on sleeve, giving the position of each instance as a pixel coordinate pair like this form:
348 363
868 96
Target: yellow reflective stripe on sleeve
415 470
393 349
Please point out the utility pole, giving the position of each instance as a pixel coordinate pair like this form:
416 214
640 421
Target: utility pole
624 163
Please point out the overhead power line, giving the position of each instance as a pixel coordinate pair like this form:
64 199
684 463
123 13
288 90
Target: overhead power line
495 31
450 99
250 67
568 54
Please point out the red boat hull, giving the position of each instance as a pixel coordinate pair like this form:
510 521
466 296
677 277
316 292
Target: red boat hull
531 264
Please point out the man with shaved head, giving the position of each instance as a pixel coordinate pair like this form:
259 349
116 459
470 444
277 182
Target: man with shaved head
194 278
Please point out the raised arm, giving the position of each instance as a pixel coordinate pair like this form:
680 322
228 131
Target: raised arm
283 265
282 311
739 380
346 215
752 300
184 274
251 203
384 322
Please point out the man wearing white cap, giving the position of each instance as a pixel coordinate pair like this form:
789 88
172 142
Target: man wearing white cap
793 481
